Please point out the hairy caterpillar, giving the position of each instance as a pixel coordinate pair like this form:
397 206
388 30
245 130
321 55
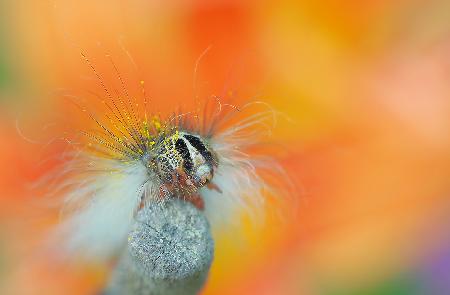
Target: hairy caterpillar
133 157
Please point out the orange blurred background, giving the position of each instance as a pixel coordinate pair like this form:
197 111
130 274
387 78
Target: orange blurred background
366 85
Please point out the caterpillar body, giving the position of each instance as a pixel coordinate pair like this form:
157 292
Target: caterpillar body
132 157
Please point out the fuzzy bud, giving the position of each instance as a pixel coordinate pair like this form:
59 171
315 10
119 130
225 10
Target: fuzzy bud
170 250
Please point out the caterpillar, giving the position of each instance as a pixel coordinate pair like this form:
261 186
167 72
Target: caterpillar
132 157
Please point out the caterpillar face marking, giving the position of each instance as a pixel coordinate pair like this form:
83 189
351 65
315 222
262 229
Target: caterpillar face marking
184 163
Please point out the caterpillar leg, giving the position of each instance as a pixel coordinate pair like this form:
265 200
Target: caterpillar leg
182 187
213 186
196 200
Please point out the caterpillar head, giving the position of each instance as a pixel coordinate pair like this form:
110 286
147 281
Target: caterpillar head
184 162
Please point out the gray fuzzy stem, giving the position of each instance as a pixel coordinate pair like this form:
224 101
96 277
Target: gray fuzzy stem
170 250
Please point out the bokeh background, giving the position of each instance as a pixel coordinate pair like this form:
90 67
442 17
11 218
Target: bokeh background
366 85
